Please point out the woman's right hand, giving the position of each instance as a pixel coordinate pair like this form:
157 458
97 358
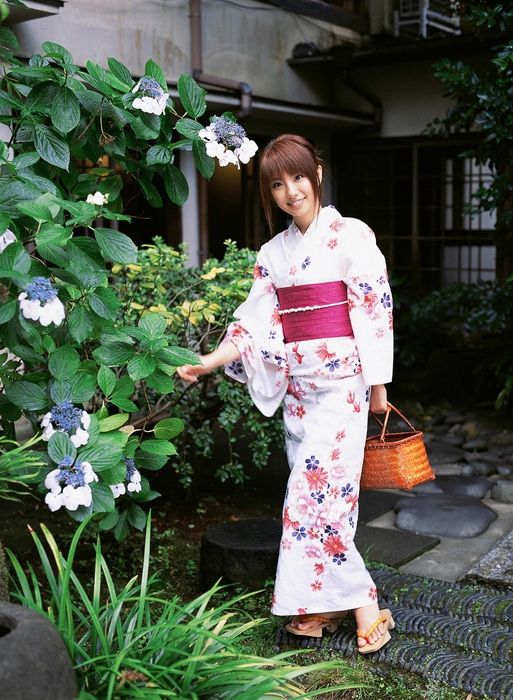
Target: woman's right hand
190 373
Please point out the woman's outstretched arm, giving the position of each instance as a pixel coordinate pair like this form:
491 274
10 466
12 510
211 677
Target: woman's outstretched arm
223 355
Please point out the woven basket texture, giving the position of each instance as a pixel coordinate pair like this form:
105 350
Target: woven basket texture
399 461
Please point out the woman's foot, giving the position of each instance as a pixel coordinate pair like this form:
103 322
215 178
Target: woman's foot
304 623
365 618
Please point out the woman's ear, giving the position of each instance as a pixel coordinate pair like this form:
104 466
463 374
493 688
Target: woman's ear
319 172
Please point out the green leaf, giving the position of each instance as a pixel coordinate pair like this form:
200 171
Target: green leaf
113 422
60 391
114 354
27 395
106 380
188 127
15 257
205 164
154 324
137 517
176 356
64 362
150 192
60 446
121 72
50 147
150 461
104 80
192 96
65 111
83 386
154 71
104 302
158 155
80 323
124 387
124 404
158 447
121 528
55 234
168 428
107 522
103 498
116 246
103 455
140 366
57 51
160 382
25 160
7 311
176 185
14 191
115 475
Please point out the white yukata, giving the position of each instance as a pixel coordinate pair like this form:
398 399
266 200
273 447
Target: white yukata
325 387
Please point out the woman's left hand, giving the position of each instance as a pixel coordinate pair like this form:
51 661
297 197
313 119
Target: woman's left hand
378 399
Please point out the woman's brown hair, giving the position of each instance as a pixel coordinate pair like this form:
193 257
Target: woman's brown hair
287 154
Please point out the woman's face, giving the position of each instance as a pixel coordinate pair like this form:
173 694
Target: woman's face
295 195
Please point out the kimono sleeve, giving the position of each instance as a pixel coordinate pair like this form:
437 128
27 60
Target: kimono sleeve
370 305
258 336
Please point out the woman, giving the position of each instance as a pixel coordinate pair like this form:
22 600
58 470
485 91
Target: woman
316 333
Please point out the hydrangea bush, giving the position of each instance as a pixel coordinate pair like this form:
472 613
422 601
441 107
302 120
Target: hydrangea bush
71 367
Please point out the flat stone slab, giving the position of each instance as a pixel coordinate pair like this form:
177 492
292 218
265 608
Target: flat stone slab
391 547
496 567
440 452
243 551
444 515
502 491
474 486
373 503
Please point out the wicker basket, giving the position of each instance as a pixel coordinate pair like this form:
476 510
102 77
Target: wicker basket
395 460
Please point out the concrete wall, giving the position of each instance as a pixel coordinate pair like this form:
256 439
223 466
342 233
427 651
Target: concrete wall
249 45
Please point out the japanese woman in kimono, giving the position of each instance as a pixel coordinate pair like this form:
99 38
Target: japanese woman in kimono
315 334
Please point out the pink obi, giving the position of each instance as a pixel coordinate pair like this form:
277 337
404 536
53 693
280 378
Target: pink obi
312 311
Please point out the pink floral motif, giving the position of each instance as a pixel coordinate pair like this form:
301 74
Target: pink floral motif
302 611
337 225
366 233
380 333
390 321
332 243
293 271
317 478
313 533
351 399
297 354
316 586
287 521
352 499
286 544
373 593
339 471
335 454
313 386
333 545
295 389
291 409
257 272
276 318
313 552
323 353
300 411
319 569
340 435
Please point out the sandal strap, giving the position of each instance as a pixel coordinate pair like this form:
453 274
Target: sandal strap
381 618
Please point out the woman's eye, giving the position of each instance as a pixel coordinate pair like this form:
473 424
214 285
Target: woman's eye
298 176
275 185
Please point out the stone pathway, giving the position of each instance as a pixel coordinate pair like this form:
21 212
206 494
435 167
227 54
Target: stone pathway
460 635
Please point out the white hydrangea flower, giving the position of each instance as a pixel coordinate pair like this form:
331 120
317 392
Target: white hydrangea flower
153 100
68 485
6 239
67 418
97 198
41 303
227 141
132 479
11 357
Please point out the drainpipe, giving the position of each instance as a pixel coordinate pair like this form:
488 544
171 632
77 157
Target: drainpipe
244 89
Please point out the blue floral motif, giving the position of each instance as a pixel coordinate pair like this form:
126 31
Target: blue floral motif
386 300
318 496
299 534
272 335
330 530
264 272
305 263
279 360
367 395
339 558
346 490
332 365
312 463
266 354
236 367
365 287
351 521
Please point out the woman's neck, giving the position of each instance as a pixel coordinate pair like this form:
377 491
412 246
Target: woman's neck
304 224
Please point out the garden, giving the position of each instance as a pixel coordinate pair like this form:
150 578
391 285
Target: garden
122 466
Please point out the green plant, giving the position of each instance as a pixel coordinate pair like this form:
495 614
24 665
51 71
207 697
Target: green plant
198 303
20 466
129 643
77 138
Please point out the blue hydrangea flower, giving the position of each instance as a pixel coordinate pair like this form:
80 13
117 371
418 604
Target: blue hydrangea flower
132 479
40 302
66 418
227 141
69 484
154 98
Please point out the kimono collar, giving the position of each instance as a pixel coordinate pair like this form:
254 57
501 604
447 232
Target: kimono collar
321 222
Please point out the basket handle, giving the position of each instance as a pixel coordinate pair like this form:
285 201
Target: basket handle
384 424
